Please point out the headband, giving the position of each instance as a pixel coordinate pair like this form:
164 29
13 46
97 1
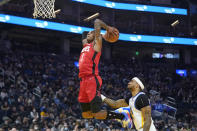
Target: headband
139 82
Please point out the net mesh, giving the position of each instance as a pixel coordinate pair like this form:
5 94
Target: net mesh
44 9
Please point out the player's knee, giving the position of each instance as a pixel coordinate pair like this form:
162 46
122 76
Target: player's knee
87 115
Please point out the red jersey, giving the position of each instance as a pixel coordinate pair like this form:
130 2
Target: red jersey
88 61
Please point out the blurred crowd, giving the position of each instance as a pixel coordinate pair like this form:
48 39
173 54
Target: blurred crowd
38 92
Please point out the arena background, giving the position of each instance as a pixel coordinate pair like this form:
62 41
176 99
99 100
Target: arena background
38 66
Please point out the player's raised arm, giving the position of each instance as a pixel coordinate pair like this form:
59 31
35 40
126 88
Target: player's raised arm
98 24
114 104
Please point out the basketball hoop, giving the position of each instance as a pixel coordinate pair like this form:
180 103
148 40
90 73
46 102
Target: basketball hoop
44 9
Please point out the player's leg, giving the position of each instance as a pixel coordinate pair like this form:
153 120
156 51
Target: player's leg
86 110
93 110
84 102
96 101
93 91
103 114
96 108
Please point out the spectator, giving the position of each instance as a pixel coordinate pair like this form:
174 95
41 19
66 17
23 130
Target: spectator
6 124
49 101
34 114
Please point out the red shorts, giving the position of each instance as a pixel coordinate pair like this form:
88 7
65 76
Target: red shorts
89 88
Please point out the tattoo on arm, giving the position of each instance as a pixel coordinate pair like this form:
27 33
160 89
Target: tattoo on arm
116 104
103 25
98 38
146 113
97 27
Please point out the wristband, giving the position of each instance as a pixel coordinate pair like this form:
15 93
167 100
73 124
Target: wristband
103 97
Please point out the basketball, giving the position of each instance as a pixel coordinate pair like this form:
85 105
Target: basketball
111 36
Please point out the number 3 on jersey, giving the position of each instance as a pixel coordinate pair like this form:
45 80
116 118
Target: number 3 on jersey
86 49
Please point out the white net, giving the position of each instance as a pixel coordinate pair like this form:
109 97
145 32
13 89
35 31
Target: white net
44 9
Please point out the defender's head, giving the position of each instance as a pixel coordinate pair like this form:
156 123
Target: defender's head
135 84
88 35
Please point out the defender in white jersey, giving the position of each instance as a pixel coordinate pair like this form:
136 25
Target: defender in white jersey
139 105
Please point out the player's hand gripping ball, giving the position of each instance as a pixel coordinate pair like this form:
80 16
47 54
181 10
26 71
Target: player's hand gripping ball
111 35
127 121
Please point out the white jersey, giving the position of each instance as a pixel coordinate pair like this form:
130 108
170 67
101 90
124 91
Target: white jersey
137 114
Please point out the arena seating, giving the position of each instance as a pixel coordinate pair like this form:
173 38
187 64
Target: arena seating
39 92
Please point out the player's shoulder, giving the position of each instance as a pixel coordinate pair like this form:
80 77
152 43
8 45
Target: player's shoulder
142 95
141 101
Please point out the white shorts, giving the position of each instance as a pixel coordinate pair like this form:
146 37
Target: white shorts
152 128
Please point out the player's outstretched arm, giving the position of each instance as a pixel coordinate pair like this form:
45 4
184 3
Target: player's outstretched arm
102 24
98 24
146 113
114 104
98 39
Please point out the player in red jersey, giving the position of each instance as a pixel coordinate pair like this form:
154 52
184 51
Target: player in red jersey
90 81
